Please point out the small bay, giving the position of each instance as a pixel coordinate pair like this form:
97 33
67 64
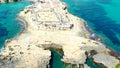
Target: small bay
102 16
9 25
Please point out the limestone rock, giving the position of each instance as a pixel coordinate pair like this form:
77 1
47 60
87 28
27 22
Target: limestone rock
107 60
2 1
16 56
5 1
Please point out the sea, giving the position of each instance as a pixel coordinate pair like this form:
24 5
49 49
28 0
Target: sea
102 16
9 25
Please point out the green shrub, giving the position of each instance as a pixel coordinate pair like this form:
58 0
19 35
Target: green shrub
118 65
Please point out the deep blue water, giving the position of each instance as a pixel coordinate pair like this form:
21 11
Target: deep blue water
103 16
9 26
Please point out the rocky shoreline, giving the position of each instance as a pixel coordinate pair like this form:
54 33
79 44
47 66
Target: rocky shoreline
7 1
49 24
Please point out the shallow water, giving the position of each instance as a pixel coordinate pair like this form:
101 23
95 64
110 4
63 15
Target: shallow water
9 26
56 59
103 16
92 64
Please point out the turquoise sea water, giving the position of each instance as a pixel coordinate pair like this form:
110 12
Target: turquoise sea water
103 16
9 26
90 63
56 60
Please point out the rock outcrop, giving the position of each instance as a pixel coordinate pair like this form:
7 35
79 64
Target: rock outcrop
6 1
107 60
48 23
24 56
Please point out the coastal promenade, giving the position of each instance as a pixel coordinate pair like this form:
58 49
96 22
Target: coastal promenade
49 24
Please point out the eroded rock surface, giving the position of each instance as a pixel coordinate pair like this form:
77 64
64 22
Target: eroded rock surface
47 23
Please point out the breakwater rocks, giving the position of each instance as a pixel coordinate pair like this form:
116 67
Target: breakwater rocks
6 1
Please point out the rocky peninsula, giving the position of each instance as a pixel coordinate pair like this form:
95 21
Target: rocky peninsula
48 24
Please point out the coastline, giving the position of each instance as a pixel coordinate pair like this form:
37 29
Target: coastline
89 30
26 28
99 39
23 24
